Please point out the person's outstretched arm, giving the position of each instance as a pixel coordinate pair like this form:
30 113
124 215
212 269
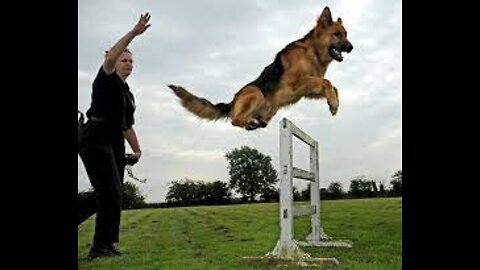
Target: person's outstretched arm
114 53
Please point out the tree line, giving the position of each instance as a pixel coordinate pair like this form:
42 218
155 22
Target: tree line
254 179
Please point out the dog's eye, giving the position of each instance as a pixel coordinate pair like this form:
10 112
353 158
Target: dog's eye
338 33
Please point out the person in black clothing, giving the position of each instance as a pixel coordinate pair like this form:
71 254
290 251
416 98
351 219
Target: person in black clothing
102 148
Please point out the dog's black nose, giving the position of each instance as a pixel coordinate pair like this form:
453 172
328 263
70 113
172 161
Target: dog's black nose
348 47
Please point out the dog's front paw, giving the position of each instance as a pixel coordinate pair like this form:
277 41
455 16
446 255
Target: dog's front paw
334 103
333 107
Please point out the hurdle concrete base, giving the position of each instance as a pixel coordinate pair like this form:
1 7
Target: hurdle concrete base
323 240
284 262
288 253
327 244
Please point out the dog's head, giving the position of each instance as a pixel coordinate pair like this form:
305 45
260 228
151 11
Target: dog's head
330 38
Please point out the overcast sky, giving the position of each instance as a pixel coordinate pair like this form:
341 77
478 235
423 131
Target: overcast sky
213 48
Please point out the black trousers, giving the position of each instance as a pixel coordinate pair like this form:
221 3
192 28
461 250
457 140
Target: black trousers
105 164
87 206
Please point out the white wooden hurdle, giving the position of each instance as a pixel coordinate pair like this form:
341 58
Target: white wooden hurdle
287 249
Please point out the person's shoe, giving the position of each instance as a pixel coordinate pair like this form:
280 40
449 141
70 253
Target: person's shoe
103 251
114 249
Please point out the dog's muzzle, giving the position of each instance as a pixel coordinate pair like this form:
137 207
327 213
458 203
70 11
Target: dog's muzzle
347 47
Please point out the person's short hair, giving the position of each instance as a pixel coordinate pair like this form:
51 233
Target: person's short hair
126 50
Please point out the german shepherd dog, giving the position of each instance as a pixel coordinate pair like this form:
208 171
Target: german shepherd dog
297 71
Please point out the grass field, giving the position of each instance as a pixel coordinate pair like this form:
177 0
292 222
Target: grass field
216 237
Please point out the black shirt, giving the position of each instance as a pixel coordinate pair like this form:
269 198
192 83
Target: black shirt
113 102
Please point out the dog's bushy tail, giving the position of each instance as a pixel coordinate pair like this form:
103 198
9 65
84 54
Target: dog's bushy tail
201 107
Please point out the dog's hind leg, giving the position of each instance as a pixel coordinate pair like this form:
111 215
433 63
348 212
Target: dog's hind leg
266 113
247 107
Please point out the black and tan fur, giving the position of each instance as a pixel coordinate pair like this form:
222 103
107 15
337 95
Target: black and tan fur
297 71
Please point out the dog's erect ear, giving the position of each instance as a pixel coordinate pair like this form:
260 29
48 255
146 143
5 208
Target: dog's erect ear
325 19
339 20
